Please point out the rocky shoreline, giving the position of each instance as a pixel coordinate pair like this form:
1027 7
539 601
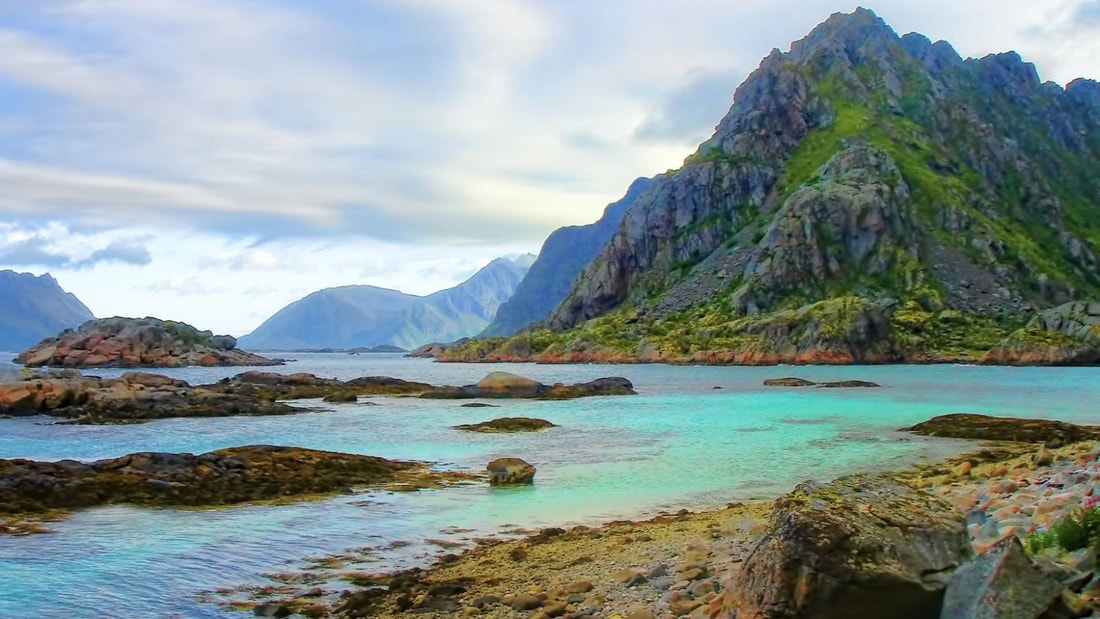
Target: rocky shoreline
137 397
971 513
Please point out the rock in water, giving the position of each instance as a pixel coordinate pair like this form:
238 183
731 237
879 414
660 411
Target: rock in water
1000 584
982 427
507 424
510 472
857 547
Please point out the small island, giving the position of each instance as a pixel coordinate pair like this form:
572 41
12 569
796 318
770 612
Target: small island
138 342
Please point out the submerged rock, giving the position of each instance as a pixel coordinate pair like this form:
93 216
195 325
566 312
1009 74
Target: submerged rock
981 427
510 472
788 382
502 385
507 424
857 547
802 382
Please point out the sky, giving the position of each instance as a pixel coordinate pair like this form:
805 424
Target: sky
213 160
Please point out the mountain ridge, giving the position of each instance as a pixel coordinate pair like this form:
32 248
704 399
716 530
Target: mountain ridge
35 307
867 198
369 316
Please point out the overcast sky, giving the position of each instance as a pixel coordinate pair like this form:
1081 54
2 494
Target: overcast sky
213 160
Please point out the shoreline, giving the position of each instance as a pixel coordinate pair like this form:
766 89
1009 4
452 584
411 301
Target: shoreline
671 563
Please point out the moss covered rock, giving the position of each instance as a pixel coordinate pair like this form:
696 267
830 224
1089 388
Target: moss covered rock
982 427
507 424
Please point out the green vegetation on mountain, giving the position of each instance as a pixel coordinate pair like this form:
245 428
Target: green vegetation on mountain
868 198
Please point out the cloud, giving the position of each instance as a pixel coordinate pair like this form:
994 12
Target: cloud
41 250
241 260
125 252
1087 14
33 251
690 112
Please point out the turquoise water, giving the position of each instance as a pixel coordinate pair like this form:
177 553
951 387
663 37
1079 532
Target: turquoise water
680 443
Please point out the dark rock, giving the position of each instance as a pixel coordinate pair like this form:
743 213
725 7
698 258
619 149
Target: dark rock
510 471
477 405
981 427
998 584
788 382
507 424
271 609
505 385
857 547
848 384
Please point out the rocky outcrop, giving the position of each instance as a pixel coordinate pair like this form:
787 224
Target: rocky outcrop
1065 335
503 385
507 424
981 427
564 253
857 547
1000 583
223 477
134 397
510 472
138 342
300 385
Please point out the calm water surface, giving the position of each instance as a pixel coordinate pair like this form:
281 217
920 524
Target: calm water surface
680 443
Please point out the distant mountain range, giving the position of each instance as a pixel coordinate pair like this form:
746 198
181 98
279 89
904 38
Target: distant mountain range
563 255
35 307
369 316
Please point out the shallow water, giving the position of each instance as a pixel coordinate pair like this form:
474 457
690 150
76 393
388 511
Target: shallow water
680 443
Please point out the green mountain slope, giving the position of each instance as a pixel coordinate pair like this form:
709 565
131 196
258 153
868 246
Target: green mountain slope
352 316
867 198
33 308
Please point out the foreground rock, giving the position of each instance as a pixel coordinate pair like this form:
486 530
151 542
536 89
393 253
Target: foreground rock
982 427
1065 335
223 477
857 547
138 342
506 385
802 382
275 386
1000 583
133 397
510 472
507 424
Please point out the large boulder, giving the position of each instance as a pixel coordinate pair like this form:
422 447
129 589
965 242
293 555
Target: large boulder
861 546
509 383
1002 583
510 472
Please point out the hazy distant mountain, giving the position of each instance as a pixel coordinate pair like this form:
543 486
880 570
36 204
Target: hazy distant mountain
35 307
351 316
563 255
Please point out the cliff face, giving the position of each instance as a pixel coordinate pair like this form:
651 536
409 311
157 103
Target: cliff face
32 308
954 197
564 253
859 155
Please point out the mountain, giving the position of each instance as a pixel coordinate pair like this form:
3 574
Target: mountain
564 253
354 316
867 198
32 308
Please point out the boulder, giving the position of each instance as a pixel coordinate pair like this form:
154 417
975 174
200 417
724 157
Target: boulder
510 472
1000 584
508 382
861 546
500 385
507 424
982 427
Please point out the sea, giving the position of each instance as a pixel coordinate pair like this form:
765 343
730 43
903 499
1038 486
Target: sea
693 437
